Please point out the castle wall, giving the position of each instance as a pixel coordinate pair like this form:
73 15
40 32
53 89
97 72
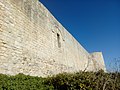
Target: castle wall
33 42
98 61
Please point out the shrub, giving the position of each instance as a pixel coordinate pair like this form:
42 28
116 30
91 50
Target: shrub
22 82
85 81
65 81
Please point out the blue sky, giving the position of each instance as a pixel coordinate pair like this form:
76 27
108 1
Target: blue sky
94 23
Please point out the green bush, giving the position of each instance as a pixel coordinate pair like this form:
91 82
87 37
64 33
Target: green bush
66 81
22 82
85 81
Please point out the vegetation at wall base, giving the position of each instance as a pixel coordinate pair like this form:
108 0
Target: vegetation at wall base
65 81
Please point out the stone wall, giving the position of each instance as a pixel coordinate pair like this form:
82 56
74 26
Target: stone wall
33 42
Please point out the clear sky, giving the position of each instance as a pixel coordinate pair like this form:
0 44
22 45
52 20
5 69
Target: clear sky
94 23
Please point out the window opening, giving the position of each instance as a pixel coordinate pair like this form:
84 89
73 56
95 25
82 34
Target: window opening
58 40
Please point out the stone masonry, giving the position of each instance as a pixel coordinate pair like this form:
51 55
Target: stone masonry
33 42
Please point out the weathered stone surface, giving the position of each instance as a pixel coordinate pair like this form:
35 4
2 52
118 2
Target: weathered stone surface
33 42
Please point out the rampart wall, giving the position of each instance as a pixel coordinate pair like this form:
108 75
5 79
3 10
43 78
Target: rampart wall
33 42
